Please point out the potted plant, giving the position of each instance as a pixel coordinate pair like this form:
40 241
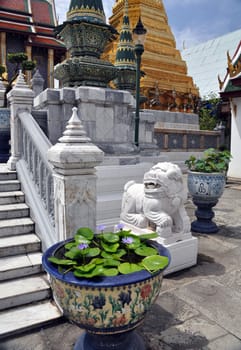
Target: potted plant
206 182
105 283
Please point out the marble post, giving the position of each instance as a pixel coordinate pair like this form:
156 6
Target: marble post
20 99
74 159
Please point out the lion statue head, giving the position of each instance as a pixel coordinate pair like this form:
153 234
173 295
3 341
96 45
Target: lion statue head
164 180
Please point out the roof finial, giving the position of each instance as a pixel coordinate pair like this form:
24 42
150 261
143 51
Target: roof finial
220 82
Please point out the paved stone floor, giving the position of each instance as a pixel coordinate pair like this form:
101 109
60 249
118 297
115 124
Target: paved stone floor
198 308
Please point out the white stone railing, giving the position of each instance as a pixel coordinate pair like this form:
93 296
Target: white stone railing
59 181
34 150
29 147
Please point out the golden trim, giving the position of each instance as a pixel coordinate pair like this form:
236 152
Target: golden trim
86 12
220 82
233 69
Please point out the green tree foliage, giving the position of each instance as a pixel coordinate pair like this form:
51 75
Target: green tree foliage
20 60
208 112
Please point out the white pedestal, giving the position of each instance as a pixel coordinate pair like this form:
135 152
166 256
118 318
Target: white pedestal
183 252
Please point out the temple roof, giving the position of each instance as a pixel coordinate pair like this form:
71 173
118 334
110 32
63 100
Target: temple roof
15 5
208 60
35 18
43 12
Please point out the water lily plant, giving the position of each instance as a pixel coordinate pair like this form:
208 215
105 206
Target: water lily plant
90 254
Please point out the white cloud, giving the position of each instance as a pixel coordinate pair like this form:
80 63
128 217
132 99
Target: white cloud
184 3
186 38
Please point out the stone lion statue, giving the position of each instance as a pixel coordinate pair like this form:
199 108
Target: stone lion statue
158 202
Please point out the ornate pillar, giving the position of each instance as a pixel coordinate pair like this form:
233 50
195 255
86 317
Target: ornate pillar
50 68
74 159
28 74
2 92
3 48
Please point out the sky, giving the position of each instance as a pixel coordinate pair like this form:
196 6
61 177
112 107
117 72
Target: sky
191 21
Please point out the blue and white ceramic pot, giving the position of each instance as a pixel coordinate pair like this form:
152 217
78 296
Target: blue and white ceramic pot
108 308
205 189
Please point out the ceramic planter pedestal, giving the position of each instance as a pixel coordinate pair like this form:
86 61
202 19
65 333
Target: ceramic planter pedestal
204 214
205 189
108 308
123 341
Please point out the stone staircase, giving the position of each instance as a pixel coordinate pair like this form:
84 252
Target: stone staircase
24 290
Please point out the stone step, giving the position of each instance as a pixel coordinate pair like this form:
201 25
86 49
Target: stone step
20 266
25 318
21 244
9 185
14 227
6 174
11 197
23 291
11 211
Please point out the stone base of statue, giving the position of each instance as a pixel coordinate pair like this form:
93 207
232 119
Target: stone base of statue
87 71
183 248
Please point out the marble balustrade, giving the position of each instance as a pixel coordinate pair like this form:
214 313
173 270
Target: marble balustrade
33 151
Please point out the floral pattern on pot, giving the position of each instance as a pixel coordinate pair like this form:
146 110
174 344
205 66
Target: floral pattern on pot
107 309
206 186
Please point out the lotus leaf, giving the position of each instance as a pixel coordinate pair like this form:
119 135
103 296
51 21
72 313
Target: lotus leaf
127 267
155 263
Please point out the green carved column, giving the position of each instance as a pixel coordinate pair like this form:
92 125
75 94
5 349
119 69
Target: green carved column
85 34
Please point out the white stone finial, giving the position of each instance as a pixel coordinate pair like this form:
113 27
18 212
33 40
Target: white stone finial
75 153
74 132
20 82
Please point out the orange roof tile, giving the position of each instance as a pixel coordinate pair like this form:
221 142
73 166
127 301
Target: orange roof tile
44 30
14 17
19 5
46 41
42 12
9 26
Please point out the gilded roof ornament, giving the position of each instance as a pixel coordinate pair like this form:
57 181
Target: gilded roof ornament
220 82
233 68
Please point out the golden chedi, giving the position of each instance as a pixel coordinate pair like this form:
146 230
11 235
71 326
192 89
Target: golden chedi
166 83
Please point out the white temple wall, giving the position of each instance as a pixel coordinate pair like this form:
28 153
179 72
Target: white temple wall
235 164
